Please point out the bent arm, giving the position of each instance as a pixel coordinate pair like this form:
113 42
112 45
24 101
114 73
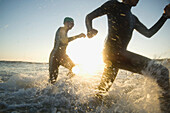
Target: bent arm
96 13
73 38
149 32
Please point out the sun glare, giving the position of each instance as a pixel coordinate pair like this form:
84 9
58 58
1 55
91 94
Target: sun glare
87 55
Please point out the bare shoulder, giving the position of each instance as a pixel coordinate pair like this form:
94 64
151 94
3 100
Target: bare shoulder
61 30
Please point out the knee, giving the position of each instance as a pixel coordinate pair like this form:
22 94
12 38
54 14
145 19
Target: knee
164 75
157 71
163 79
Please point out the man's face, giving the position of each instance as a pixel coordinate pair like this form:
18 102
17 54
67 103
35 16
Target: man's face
70 24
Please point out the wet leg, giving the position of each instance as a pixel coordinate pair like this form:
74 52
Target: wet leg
107 79
161 75
53 70
142 65
53 76
68 63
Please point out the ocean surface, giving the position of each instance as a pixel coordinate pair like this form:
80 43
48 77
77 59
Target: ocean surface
24 88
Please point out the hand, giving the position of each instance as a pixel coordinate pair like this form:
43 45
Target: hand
167 11
82 35
92 33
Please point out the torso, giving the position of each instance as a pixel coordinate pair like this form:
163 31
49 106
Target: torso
59 47
121 25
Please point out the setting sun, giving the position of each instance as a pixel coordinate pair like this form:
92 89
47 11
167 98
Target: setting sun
87 55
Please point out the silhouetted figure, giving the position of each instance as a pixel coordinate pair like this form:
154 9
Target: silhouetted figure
58 55
121 23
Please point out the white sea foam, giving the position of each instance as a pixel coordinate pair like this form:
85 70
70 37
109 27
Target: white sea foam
25 81
131 93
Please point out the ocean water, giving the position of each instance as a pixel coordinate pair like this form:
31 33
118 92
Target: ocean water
24 88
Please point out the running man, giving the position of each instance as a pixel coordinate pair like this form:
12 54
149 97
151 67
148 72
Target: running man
58 55
121 23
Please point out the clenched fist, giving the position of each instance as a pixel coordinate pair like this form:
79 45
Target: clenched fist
92 33
167 11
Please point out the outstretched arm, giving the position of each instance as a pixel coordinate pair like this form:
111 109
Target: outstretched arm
75 37
150 32
65 40
96 13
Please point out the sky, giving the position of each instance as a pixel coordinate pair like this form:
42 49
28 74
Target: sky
27 28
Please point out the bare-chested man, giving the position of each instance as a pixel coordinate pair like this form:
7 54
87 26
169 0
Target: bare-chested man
58 55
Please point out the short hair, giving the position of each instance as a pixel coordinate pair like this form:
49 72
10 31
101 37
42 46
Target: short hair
68 19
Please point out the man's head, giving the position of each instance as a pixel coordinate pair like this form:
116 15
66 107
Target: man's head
68 22
131 2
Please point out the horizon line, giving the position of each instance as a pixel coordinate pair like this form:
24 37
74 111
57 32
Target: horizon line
34 62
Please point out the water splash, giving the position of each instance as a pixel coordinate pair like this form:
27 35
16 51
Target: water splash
131 93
